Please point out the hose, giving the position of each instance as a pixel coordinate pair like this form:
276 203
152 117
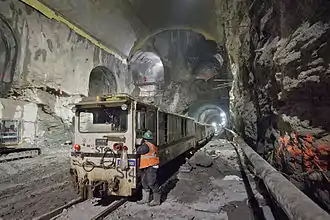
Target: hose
113 162
92 165
88 163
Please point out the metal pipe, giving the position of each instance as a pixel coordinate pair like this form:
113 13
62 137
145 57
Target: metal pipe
294 203
223 80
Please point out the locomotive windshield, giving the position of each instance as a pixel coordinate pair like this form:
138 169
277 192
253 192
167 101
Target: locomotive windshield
103 120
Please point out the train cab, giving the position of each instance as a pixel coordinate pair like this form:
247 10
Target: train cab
103 160
109 129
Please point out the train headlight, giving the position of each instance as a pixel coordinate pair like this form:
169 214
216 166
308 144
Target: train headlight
124 107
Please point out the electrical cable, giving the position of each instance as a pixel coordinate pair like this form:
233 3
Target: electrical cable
113 162
88 163
92 165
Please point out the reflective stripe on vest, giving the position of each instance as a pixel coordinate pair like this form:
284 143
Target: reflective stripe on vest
149 159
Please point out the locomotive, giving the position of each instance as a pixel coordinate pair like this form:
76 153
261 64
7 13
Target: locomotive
107 132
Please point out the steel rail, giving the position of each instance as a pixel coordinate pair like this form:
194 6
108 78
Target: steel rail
111 208
295 204
56 212
59 210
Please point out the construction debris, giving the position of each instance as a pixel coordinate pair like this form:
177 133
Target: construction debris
201 159
232 177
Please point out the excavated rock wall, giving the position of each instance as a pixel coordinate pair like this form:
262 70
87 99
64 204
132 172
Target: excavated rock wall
234 17
279 52
280 59
53 69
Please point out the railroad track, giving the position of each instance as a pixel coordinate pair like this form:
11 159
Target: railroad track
54 214
110 209
57 213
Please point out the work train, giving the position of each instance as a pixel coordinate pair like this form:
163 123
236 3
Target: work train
108 131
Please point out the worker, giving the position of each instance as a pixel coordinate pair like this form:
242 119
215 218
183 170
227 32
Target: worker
149 164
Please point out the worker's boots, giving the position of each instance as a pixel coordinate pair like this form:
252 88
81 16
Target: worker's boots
145 197
156 200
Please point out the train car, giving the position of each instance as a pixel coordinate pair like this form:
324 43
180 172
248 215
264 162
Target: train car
108 131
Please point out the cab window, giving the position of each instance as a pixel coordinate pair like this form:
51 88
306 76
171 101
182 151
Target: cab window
145 120
103 120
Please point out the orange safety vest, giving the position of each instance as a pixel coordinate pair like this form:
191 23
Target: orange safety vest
149 159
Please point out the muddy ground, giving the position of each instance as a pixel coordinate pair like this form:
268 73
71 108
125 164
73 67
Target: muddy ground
32 187
209 186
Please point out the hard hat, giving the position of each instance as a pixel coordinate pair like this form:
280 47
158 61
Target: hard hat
148 135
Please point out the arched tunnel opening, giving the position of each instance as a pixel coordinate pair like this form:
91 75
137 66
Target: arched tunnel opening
147 71
101 82
9 49
210 114
180 68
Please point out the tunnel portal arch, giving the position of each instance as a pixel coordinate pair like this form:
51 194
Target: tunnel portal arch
102 81
139 43
191 63
147 71
208 113
9 47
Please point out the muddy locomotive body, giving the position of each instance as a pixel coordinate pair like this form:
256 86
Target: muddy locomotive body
108 131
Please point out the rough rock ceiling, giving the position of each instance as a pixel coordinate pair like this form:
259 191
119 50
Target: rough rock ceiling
110 21
163 14
120 24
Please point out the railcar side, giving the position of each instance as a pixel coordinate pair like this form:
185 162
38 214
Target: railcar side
176 136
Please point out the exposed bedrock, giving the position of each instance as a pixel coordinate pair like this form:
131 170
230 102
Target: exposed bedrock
280 61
